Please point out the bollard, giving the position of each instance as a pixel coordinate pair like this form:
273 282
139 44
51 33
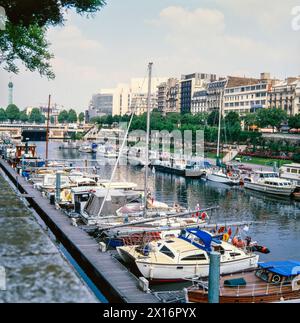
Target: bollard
58 186
144 284
214 278
103 247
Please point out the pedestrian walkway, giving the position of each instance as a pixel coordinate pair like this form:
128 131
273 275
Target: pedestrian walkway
33 268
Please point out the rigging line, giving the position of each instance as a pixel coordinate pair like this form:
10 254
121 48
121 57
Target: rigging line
118 159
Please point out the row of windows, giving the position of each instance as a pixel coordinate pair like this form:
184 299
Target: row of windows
293 171
242 104
240 111
243 97
277 184
247 88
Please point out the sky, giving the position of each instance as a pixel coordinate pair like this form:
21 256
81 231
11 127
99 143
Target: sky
225 37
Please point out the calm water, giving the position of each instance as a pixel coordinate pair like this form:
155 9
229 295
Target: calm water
279 219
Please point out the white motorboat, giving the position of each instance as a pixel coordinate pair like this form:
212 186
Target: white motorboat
88 148
222 176
181 258
137 157
269 182
107 151
291 172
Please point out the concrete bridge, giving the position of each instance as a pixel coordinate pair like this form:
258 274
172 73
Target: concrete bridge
37 132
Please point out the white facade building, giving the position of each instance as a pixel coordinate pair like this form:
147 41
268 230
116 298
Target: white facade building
285 95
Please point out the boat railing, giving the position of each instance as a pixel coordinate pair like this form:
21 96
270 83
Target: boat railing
254 289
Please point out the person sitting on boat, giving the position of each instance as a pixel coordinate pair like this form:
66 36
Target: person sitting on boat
238 242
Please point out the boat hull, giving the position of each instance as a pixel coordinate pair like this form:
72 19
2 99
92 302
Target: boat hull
170 170
270 190
200 297
220 179
179 272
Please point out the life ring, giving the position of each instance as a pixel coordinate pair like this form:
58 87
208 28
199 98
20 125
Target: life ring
276 279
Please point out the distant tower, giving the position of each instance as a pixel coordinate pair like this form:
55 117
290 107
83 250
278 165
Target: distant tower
10 92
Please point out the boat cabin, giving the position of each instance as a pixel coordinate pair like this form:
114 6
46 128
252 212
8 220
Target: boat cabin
279 272
291 172
115 199
24 149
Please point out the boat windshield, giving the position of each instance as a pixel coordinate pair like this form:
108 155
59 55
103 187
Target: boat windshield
269 175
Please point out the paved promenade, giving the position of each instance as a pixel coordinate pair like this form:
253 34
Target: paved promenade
35 269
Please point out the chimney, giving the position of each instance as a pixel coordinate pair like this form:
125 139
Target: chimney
265 76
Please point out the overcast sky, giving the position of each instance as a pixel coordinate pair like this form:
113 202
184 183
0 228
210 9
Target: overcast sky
226 37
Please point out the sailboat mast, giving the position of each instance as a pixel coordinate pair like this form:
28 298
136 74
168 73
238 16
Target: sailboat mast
219 131
47 131
147 137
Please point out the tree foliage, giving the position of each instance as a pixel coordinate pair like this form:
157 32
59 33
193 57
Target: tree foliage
36 116
213 118
81 117
23 116
72 116
63 116
3 116
271 118
24 37
294 122
232 118
250 120
12 112
67 116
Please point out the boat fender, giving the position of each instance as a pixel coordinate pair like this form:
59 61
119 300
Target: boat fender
204 216
226 237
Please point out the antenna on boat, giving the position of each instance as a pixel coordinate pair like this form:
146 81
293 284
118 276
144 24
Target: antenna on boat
147 137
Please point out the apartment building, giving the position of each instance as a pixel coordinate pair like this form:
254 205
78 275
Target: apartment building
199 101
101 104
285 95
168 96
190 84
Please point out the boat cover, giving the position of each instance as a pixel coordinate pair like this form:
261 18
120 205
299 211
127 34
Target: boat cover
283 268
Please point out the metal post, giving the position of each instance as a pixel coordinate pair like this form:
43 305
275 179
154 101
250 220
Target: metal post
23 165
58 187
214 278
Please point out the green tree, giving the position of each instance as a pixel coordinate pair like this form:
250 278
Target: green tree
12 113
36 116
27 23
294 122
213 118
81 117
63 116
72 116
250 120
3 116
52 120
271 117
232 118
23 116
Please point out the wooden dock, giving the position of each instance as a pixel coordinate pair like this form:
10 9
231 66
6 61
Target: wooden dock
115 282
